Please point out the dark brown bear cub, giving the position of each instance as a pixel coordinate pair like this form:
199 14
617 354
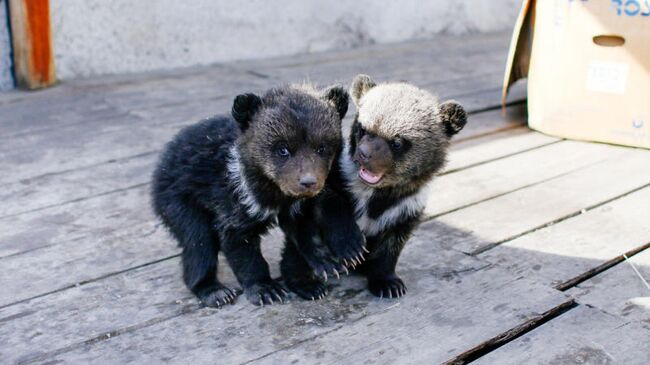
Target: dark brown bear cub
220 183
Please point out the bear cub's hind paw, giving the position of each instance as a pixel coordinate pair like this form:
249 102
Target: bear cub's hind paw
217 295
266 293
309 289
387 287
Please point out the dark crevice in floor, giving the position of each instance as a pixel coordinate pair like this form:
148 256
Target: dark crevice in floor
510 335
568 284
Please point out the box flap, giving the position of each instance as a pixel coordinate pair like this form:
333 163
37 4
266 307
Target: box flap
520 48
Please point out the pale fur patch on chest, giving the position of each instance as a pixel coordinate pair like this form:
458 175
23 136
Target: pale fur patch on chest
242 188
405 208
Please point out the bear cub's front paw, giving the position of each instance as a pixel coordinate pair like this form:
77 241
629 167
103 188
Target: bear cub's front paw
349 247
387 287
267 292
311 288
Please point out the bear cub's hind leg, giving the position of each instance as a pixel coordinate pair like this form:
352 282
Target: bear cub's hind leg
200 249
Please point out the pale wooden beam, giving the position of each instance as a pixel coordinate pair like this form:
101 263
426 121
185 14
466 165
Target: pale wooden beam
33 53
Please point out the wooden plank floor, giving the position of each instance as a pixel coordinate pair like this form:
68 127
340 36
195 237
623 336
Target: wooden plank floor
519 260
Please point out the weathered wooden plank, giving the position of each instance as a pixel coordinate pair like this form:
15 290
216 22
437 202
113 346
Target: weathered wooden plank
492 121
62 266
533 207
457 190
619 290
72 147
567 249
581 336
433 46
89 219
473 152
52 190
155 293
31 35
416 61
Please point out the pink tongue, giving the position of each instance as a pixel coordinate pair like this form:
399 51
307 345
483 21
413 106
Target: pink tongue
369 177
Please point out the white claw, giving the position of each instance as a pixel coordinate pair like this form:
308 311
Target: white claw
261 303
346 270
365 249
336 273
345 262
325 275
312 298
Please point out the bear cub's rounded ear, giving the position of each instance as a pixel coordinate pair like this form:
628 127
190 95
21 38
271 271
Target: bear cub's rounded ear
360 86
244 107
338 98
453 117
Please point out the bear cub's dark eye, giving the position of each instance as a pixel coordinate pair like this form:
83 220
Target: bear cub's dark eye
396 144
321 150
282 150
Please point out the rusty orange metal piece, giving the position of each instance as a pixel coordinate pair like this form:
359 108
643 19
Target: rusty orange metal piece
32 43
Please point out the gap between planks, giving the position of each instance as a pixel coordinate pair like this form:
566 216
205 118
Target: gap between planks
495 342
568 284
559 220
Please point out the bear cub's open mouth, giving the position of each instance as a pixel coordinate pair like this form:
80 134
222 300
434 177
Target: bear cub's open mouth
369 177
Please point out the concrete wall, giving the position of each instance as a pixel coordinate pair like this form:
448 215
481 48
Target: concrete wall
6 82
119 36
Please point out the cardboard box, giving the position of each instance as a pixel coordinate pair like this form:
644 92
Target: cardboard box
588 68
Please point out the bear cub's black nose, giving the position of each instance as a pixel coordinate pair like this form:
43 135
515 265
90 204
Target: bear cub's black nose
364 153
308 181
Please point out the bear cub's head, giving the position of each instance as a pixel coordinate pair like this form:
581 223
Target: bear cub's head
291 135
401 133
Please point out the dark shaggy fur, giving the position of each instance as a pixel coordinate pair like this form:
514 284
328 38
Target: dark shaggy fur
221 182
